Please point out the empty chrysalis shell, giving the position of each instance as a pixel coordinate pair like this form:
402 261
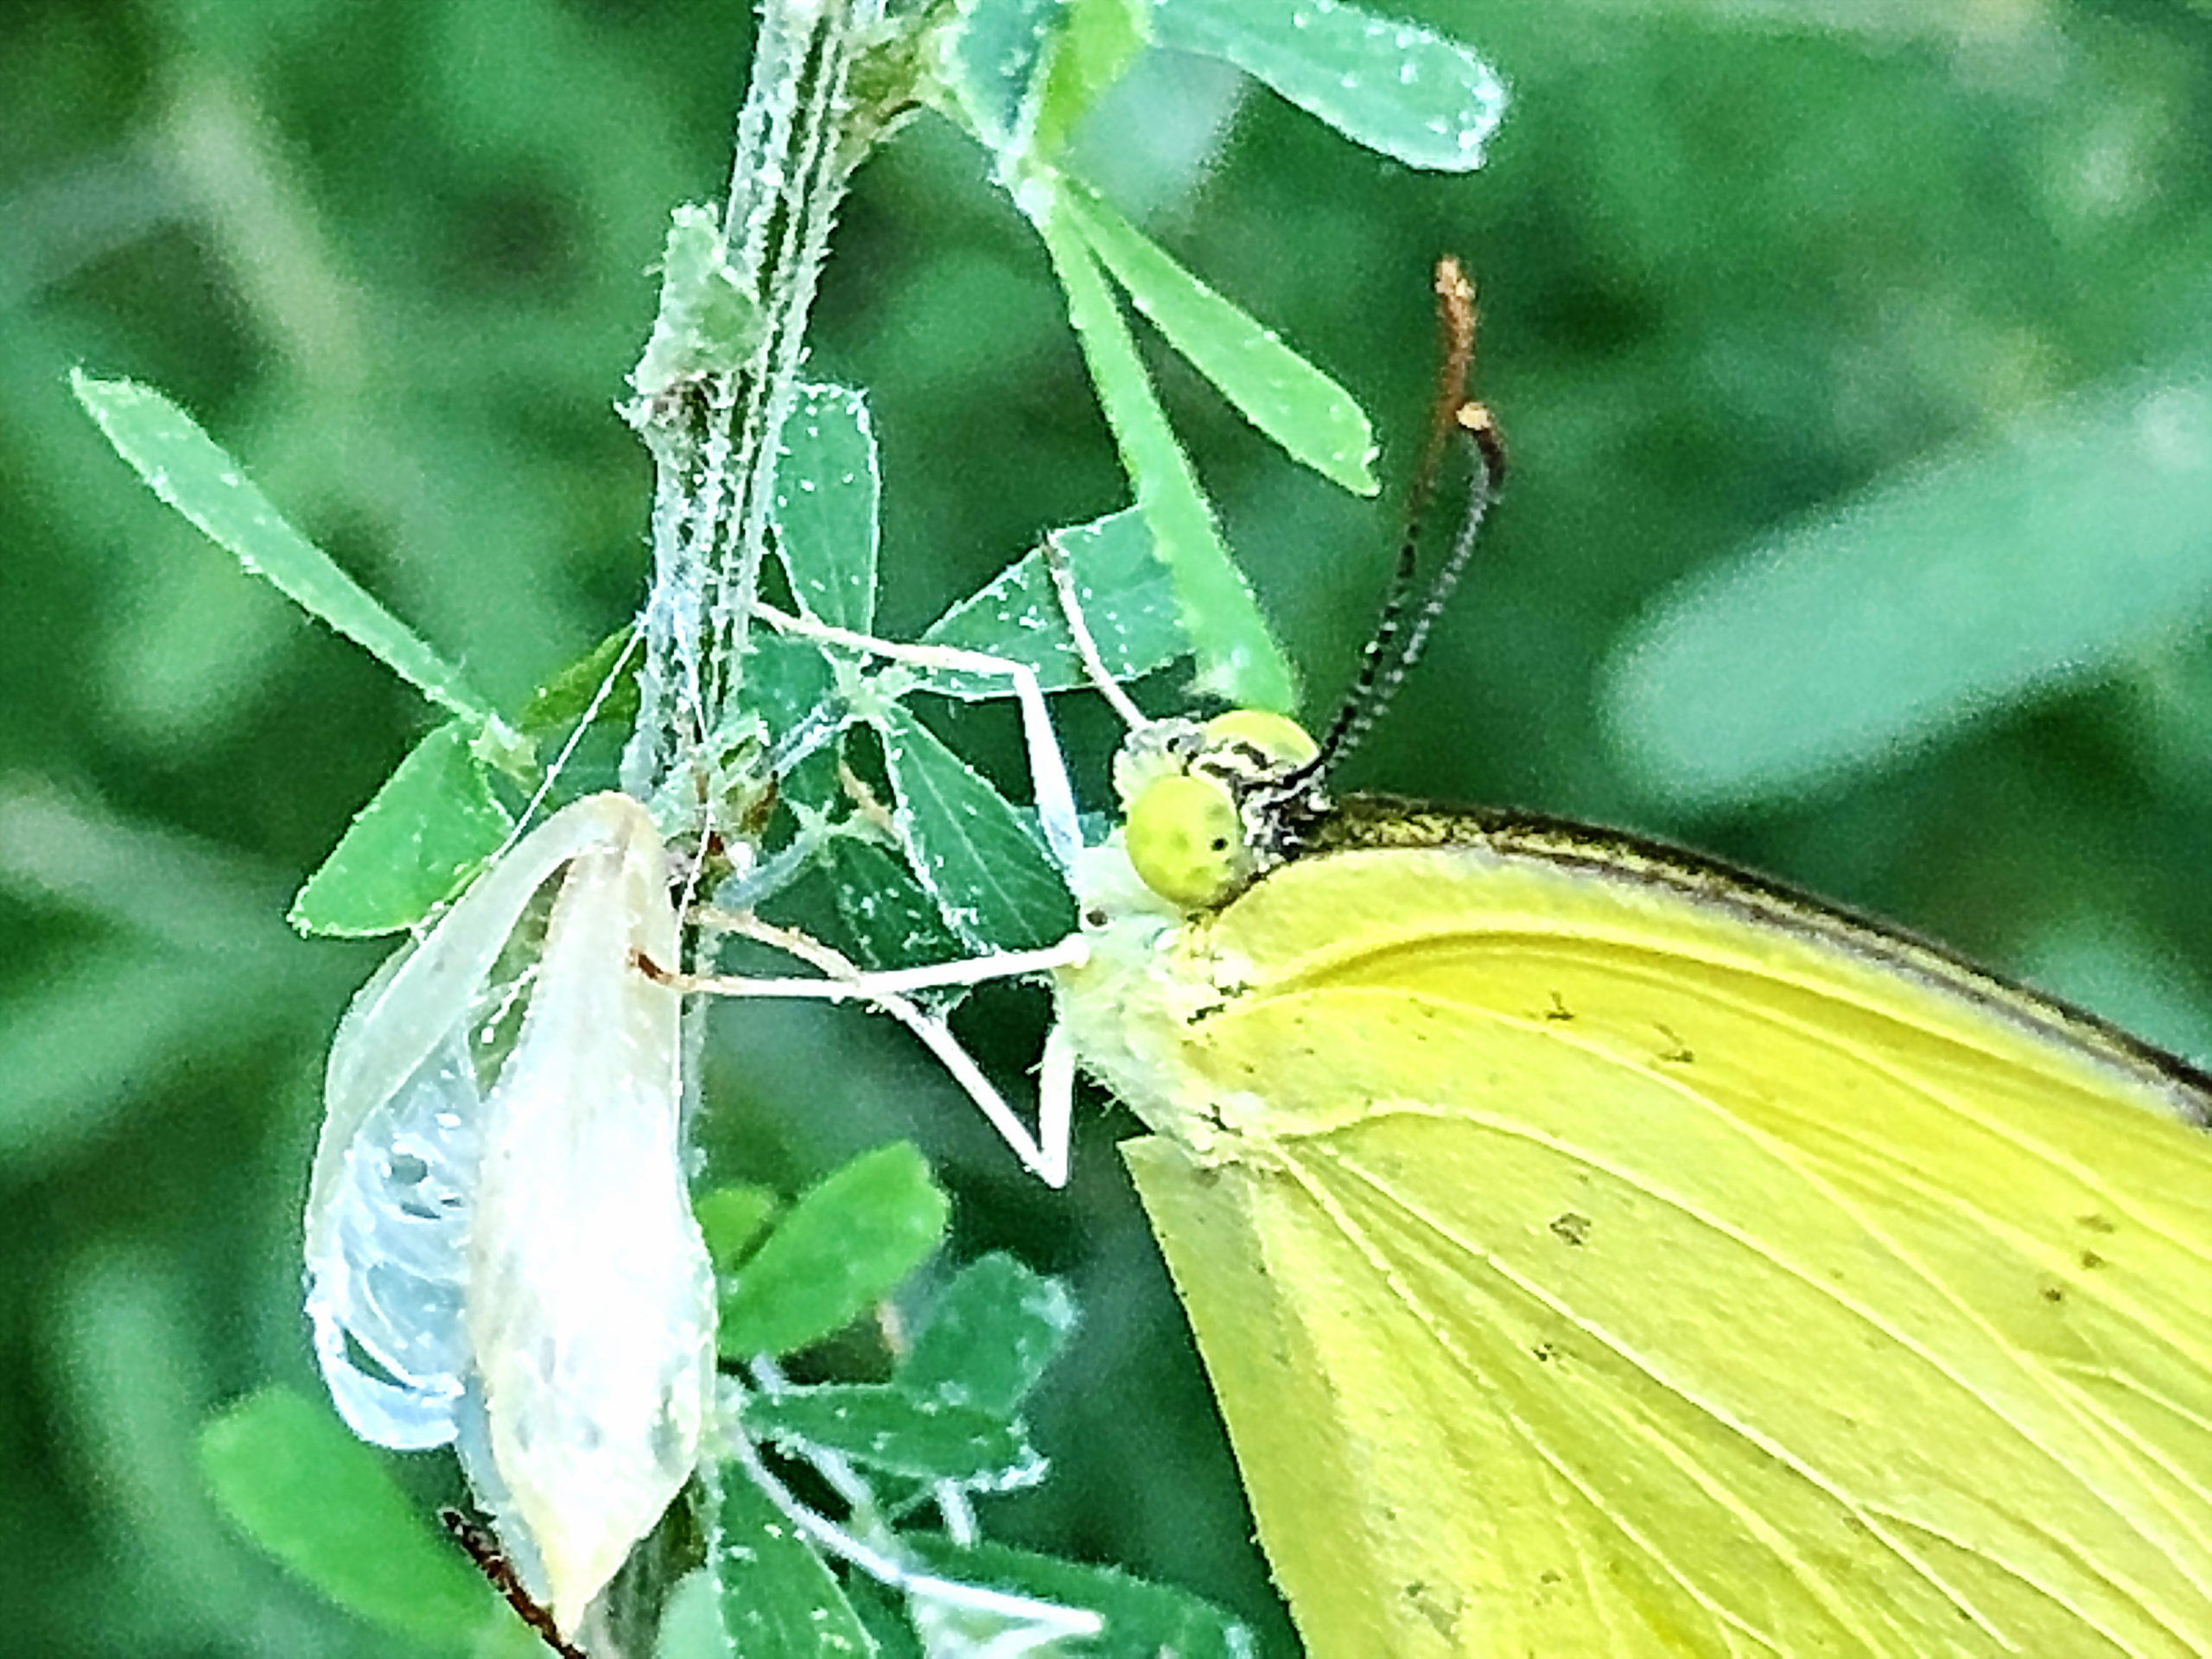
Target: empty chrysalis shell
500 1248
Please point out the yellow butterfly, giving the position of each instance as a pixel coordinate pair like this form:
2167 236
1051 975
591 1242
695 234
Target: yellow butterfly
1599 1251
1596 1251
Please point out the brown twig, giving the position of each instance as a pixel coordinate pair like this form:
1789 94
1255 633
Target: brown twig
499 1573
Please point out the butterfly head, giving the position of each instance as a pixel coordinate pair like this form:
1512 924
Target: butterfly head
1211 805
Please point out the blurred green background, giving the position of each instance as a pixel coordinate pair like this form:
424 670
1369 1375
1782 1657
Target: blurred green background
1744 262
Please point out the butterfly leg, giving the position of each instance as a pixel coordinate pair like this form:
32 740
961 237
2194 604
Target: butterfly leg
1045 1152
1048 772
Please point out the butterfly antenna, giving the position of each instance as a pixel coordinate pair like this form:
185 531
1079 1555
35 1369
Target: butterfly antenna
1402 631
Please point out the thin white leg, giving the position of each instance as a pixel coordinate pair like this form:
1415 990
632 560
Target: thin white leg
1048 771
1044 1154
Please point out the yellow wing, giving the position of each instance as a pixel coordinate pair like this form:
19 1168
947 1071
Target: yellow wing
1595 1254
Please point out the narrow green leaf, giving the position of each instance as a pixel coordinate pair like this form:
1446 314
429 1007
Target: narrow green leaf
1142 1619
1238 659
186 468
891 921
991 1333
1316 421
2040 558
555 707
422 836
976 856
827 485
884 1427
707 322
733 1217
1127 601
779 1600
1098 40
301 1487
1392 86
843 1247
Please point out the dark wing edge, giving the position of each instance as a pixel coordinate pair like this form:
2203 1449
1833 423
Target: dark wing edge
1367 822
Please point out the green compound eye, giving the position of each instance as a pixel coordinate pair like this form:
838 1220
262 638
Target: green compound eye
1186 841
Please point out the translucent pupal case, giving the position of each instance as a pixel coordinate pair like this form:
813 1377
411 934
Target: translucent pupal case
501 1247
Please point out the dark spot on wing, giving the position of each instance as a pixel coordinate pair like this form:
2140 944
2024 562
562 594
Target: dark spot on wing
1439 1618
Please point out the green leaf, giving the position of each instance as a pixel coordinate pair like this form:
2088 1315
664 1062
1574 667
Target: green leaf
976 857
2040 558
423 833
1025 72
1142 1619
186 468
1392 86
555 707
997 57
885 1615
1316 421
891 921
791 685
788 681
779 1600
733 1217
301 1487
1128 602
827 485
1238 659
691 1620
708 322
990 1335
1098 42
843 1247
884 1427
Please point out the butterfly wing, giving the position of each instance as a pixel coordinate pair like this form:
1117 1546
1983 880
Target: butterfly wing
1598 1258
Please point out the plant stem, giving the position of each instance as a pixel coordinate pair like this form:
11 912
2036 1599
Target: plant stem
714 432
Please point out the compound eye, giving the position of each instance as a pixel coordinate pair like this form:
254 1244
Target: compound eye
1186 841
1280 742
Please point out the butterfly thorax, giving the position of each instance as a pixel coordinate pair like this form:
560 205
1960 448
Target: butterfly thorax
1128 1008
